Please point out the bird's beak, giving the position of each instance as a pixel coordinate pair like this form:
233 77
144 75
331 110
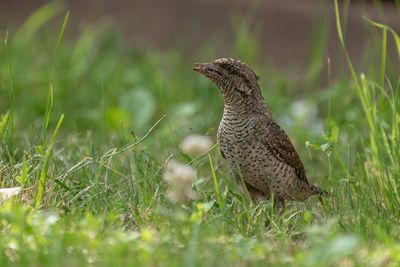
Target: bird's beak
201 67
207 69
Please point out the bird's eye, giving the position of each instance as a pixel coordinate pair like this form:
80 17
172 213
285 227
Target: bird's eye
215 71
235 72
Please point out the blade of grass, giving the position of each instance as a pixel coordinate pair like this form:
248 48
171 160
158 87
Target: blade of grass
386 28
383 58
38 19
215 182
341 39
3 123
59 42
10 123
49 108
45 167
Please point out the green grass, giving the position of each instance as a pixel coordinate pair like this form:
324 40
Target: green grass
88 124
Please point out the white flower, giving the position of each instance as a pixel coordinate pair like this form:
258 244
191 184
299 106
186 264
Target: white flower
194 145
177 173
179 178
7 193
182 196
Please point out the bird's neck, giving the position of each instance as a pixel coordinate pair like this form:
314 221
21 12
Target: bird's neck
242 107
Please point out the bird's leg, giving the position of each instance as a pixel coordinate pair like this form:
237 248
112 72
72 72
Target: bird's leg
249 190
278 204
278 208
255 194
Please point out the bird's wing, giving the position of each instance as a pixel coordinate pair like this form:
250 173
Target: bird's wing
274 137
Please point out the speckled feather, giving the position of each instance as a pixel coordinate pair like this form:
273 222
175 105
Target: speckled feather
254 145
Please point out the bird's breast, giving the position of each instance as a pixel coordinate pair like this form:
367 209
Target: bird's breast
236 129
234 134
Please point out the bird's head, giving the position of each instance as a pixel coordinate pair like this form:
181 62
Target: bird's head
235 79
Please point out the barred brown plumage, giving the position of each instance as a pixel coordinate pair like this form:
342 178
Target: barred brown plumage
250 139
